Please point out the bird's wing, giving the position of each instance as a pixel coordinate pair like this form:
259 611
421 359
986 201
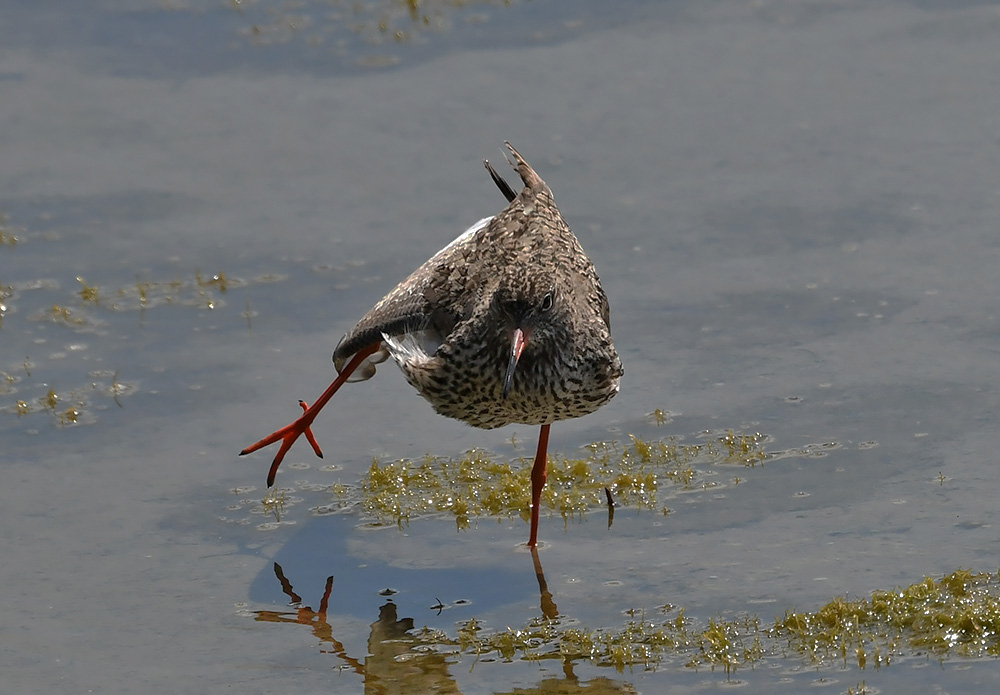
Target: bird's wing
416 304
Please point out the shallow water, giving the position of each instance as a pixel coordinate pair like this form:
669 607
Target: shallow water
793 209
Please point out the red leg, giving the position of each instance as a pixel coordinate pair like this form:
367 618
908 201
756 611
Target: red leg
538 482
290 433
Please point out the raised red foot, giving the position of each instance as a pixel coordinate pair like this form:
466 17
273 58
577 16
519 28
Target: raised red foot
289 433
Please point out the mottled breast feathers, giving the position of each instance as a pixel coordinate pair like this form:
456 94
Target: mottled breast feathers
449 324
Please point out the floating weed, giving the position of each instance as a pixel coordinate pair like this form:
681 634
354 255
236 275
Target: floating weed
661 417
8 235
117 389
199 293
729 644
367 40
73 406
68 409
481 484
638 643
249 315
87 293
217 281
809 451
274 503
8 382
70 416
142 292
955 616
743 448
5 292
958 614
58 313
85 308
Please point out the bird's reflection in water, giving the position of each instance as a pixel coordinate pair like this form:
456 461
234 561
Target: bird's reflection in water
393 665
549 608
304 615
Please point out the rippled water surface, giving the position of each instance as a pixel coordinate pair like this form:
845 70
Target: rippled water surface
793 206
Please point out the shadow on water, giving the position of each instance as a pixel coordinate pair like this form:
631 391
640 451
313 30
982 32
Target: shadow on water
322 546
399 657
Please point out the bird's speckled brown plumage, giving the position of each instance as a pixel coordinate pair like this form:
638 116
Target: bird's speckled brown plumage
506 324
449 325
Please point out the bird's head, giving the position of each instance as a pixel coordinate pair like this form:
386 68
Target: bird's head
528 313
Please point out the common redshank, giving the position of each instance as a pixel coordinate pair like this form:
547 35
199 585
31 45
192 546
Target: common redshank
507 324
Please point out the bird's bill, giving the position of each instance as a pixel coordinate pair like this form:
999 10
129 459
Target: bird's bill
517 342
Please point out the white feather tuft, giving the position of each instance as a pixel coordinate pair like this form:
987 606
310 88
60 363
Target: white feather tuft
414 347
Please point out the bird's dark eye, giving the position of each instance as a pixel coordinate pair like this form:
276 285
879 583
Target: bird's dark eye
546 302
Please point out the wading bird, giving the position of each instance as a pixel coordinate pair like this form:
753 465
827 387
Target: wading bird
507 324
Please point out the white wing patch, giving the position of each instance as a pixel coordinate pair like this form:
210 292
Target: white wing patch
414 347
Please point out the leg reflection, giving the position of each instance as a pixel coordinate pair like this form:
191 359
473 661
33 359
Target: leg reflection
549 608
305 615
391 665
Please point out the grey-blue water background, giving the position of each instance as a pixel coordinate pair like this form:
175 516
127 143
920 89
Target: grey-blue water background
793 206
